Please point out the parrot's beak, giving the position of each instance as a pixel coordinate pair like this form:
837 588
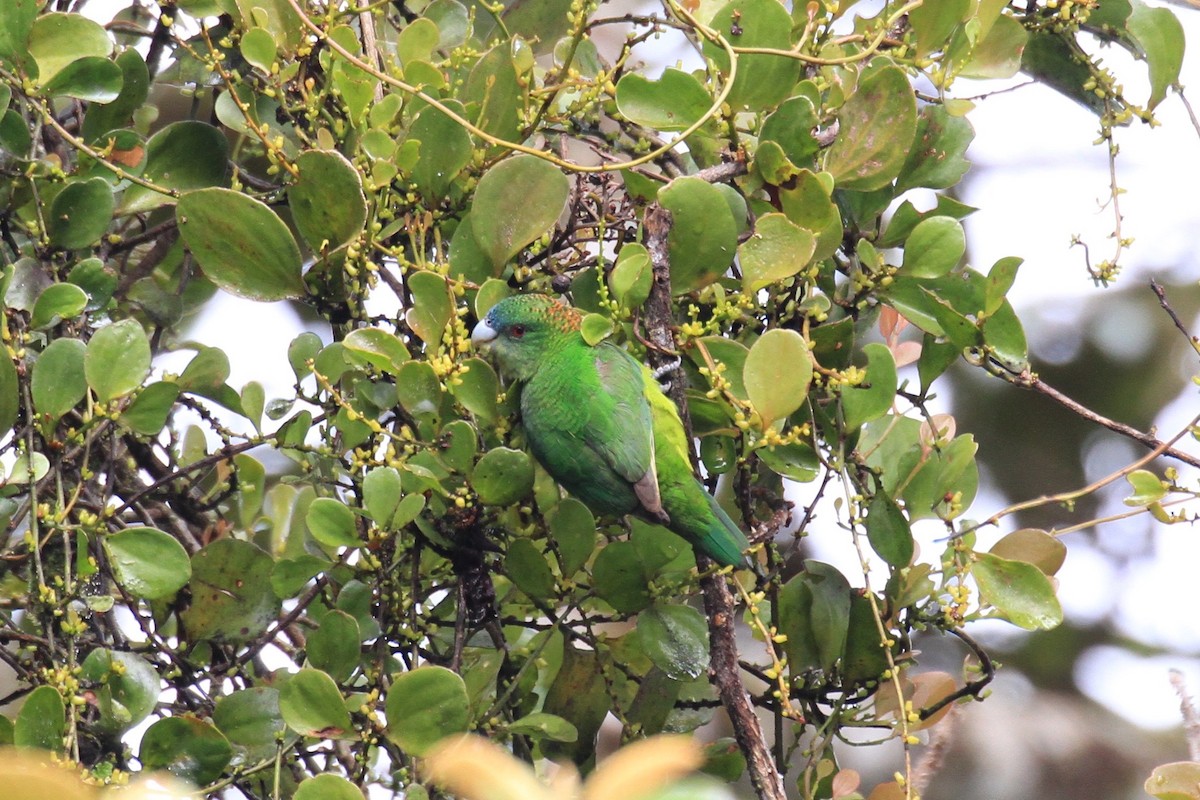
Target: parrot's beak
483 334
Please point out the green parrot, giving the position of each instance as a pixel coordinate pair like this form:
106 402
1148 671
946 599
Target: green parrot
598 422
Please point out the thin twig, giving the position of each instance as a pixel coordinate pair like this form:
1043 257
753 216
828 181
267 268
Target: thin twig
1191 112
1163 448
370 42
1191 718
1161 294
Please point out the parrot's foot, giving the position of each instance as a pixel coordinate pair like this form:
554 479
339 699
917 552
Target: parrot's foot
662 373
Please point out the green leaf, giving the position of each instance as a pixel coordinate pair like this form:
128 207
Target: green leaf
56 40
258 48
762 81
206 373
814 613
865 659
147 562
117 359
618 578
934 247
382 494
304 348
29 469
595 328
703 235
58 383
327 200
999 280
791 126
934 20
330 363
14 135
250 717
327 787
135 88
92 78
241 244
418 388
579 694
730 353
147 415
777 249
1159 37
182 156
376 347
417 41
335 645
424 706
1148 488
876 128
503 476
807 202
1020 592
127 688
332 523
186 747
1033 546
16 21
477 390
431 308
525 565
1005 338
1179 780
999 54
467 261
60 301
573 528
311 705
42 720
777 373
503 228
675 638
9 385
289 575
457 445
888 531
98 281
875 395
631 276
540 725
1050 59
949 320
232 598
445 150
253 401
948 471
937 158
673 102
796 461
494 89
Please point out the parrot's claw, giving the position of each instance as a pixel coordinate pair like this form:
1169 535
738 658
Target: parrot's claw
662 373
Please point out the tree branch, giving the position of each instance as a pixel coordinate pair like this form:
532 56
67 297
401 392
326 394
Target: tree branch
1028 380
718 601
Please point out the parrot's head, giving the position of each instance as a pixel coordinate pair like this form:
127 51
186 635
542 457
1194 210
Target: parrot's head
520 331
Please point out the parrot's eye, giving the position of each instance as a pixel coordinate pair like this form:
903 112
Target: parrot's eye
516 331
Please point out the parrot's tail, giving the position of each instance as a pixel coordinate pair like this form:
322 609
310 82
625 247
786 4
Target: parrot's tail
722 540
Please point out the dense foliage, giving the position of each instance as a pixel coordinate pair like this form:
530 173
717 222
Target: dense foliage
295 595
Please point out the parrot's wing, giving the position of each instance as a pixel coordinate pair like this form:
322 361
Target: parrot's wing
623 434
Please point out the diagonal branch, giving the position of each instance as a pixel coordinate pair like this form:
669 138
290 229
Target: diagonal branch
1028 380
